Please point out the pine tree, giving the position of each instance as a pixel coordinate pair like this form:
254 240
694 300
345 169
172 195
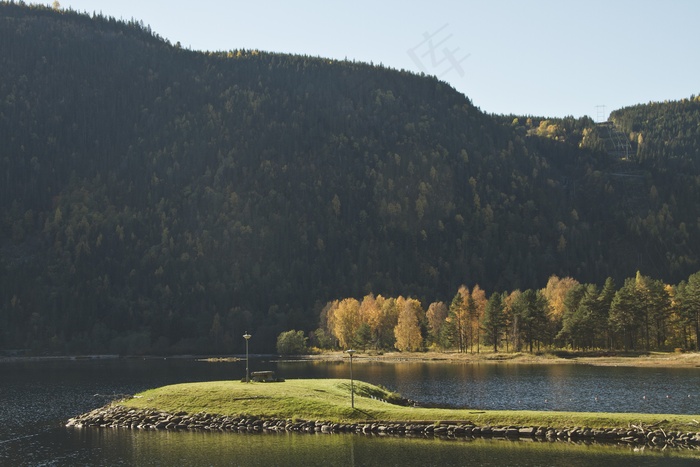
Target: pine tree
458 321
691 305
624 317
494 319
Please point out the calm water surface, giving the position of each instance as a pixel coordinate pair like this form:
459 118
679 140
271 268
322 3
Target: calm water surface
36 398
577 388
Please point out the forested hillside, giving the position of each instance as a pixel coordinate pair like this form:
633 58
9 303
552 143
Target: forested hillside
157 199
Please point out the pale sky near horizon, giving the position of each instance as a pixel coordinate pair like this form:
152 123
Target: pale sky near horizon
545 58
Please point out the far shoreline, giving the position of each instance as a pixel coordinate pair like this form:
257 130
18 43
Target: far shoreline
600 358
594 358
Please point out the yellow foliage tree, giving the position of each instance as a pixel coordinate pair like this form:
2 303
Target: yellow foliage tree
370 312
436 316
345 321
389 316
555 293
407 330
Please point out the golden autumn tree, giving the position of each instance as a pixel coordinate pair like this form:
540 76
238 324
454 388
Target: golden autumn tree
370 316
388 319
436 316
346 321
555 293
407 330
327 317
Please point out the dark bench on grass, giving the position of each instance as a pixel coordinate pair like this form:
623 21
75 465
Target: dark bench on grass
265 377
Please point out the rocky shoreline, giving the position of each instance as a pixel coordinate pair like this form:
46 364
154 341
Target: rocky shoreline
118 416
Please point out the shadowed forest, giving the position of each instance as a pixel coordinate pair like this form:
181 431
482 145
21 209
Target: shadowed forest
155 199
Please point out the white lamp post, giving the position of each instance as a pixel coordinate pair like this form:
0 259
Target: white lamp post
352 384
246 336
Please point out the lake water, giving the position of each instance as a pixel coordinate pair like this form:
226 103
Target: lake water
37 397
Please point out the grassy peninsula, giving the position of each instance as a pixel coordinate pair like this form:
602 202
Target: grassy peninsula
329 399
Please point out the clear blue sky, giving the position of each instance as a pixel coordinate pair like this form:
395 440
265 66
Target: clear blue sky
547 57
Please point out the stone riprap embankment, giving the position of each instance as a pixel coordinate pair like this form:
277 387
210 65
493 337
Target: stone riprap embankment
118 416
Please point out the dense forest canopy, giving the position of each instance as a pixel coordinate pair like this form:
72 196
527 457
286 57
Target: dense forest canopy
157 199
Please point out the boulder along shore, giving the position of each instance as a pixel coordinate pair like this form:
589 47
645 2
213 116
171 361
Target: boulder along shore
118 416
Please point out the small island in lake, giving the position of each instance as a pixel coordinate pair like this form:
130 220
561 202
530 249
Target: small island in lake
324 405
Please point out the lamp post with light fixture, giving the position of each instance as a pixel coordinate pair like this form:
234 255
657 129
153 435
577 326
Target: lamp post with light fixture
246 336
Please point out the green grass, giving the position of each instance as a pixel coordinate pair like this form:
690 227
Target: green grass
329 400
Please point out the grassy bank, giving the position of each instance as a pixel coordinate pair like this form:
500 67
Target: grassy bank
329 400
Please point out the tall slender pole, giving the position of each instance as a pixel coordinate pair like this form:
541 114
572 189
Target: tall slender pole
246 336
352 384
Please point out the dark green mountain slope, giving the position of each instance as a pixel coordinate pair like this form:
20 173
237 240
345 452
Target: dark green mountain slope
665 134
665 140
159 199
